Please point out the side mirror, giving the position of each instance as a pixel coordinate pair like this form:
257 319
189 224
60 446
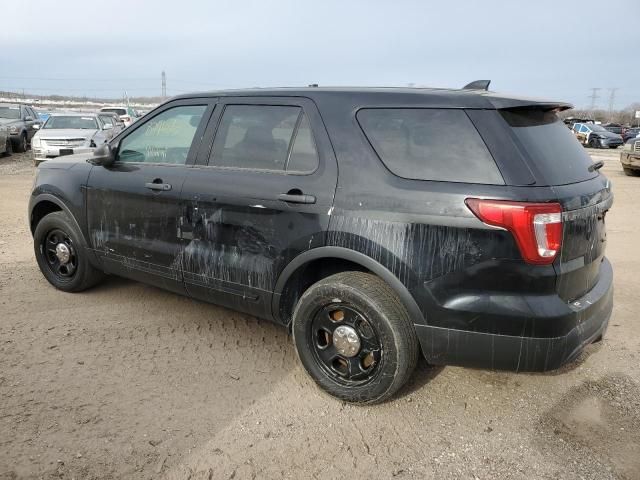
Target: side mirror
104 155
36 126
107 126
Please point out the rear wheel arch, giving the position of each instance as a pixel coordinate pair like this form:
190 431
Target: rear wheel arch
318 263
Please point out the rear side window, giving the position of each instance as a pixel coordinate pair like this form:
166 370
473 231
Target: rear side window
429 144
549 145
263 137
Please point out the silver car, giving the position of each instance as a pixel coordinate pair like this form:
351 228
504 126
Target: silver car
5 141
69 133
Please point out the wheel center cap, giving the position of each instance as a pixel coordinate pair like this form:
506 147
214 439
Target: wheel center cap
63 253
346 341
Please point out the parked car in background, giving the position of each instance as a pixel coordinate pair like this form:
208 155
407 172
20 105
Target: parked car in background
6 148
127 114
596 136
614 128
69 133
22 122
630 133
630 157
113 119
375 224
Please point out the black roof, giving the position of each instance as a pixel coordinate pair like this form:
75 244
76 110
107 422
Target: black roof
439 97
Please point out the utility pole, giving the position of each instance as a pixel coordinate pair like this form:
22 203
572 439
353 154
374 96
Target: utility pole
612 99
594 96
164 85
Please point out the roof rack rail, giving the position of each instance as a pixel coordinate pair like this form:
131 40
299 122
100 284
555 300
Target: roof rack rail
477 85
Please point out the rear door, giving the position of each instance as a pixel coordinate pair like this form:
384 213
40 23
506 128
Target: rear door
260 194
133 206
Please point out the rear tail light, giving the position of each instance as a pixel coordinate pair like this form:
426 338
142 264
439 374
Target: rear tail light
537 227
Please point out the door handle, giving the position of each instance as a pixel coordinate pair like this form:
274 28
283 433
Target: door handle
297 198
163 187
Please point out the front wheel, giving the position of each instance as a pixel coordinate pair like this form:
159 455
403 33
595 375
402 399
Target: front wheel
593 143
22 144
354 337
61 254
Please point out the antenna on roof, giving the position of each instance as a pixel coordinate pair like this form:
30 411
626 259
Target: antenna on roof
477 85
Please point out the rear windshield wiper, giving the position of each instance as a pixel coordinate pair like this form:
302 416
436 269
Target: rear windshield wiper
596 166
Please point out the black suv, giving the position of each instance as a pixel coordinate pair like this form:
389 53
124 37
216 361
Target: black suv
373 223
22 122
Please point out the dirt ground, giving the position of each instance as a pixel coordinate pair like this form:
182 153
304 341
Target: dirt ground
127 381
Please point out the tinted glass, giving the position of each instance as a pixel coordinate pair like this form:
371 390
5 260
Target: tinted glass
73 122
544 139
119 111
430 144
166 138
304 156
254 136
12 112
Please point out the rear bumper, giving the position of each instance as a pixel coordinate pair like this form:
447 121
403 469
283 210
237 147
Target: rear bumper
630 160
589 317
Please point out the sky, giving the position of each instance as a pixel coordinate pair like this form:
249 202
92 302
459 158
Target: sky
547 48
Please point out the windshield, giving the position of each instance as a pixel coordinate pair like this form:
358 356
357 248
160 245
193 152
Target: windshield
11 112
71 122
550 145
597 128
119 111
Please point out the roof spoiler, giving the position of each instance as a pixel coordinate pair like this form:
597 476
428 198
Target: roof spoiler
477 85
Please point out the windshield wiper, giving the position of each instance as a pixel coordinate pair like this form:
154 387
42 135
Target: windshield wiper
596 166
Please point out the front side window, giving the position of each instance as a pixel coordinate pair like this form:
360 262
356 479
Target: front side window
166 138
429 144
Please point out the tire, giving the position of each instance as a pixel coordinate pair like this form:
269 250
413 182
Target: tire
21 145
613 146
77 274
632 172
8 148
388 345
593 143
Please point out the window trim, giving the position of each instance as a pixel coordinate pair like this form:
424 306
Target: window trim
382 162
208 103
255 102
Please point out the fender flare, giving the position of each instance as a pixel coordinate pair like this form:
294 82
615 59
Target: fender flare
356 257
48 197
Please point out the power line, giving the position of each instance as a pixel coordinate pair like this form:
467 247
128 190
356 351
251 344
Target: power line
612 99
594 96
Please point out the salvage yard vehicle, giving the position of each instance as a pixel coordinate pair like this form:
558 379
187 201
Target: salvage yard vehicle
630 157
127 114
374 223
22 122
69 133
6 147
596 136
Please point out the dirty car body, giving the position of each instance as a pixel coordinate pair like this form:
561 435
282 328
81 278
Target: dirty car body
216 219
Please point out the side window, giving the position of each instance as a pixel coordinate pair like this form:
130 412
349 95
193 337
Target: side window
304 155
430 144
166 138
255 137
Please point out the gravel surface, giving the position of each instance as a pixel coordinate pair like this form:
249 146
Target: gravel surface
128 381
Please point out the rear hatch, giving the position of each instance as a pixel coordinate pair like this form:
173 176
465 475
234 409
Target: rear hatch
557 161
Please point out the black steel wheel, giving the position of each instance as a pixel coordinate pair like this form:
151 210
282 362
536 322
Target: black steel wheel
62 254
22 144
594 143
354 337
345 344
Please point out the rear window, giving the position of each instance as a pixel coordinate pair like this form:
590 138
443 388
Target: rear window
429 144
119 111
549 145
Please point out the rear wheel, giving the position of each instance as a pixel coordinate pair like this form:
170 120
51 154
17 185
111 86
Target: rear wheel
354 337
21 145
61 254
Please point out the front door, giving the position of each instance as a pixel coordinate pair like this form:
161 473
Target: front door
260 194
133 206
